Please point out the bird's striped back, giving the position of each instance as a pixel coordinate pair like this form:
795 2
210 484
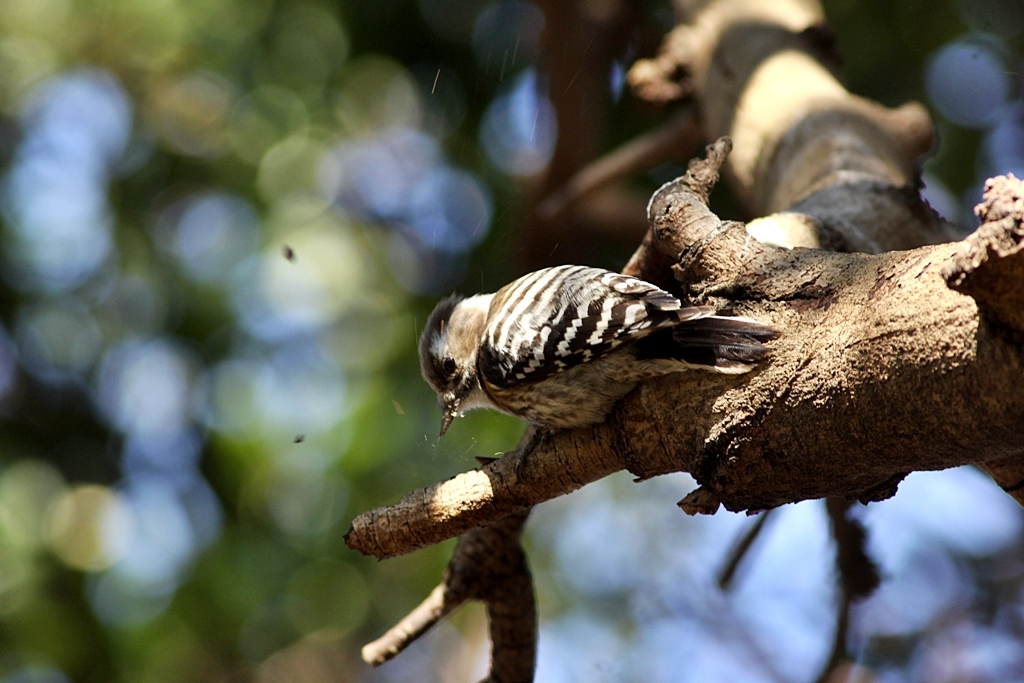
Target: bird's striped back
553 319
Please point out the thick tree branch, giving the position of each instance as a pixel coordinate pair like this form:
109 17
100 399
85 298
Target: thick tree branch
682 63
879 343
763 74
880 326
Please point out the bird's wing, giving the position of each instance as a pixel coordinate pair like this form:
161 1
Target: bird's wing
554 319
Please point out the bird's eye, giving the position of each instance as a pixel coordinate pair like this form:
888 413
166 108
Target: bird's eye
448 365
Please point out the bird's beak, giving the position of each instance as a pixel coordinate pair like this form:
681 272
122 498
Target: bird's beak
451 410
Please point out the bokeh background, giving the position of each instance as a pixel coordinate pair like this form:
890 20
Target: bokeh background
222 223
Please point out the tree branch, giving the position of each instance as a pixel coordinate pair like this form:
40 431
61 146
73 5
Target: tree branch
403 634
577 46
539 469
916 351
874 342
676 140
740 549
488 565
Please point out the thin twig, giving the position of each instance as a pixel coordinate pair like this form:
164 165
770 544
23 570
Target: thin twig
675 140
858 577
838 656
740 549
411 627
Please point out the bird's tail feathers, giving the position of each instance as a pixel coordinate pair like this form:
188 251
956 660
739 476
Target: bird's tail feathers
730 345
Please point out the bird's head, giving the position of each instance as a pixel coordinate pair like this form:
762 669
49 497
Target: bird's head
448 352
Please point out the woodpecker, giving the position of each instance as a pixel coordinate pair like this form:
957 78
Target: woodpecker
558 347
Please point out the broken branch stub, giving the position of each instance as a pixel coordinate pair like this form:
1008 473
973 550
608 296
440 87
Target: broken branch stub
990 265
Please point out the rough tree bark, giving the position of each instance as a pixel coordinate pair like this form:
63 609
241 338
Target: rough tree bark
899 349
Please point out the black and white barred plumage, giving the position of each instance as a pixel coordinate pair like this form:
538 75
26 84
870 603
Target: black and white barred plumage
560 346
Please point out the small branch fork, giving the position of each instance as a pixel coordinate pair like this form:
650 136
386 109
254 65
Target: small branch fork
488 565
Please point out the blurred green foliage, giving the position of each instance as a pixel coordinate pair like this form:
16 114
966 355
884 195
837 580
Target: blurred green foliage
245 98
